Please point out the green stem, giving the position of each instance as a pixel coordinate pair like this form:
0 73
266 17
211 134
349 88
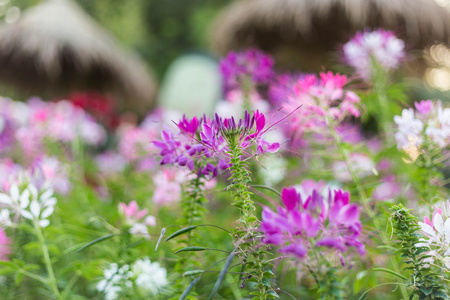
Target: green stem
248 223
47 261
364 199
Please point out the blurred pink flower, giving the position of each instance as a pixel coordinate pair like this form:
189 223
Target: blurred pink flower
4 245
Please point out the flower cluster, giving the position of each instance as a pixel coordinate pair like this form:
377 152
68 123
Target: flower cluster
30 203
211 138
252 65
26 126
138 220
303 224
436 238
150 278
431 121
381 46
320 98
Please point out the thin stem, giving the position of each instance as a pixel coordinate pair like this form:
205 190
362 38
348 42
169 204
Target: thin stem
47 261
364 200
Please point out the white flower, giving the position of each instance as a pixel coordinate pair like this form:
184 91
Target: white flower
140 230
150 277
114 279
15 199
409 129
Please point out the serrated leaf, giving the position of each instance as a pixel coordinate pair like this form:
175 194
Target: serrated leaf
180 232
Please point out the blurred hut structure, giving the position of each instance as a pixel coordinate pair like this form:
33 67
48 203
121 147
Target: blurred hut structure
55 48
303 33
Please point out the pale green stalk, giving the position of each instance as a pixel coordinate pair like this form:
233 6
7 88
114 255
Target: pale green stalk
48 264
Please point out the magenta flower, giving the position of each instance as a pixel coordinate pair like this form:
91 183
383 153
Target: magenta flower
252 64
302 224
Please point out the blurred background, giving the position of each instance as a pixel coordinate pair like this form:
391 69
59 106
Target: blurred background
142 52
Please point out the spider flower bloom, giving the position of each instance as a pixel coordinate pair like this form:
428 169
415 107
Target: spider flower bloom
436 238
246 132
302 224
320 98
382 46
252 65
137 219
430 121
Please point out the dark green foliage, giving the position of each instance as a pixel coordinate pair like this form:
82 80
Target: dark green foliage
426 282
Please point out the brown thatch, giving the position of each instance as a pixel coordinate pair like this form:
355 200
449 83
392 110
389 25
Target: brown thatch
311 28
55 48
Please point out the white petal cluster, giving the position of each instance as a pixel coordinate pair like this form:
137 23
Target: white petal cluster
114 280
437 240
30 204
414 127
149 277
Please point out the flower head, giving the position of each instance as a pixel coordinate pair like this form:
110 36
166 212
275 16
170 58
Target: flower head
380 45
301 224
251 64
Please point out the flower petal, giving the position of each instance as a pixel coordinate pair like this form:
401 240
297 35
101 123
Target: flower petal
47 212
438 223
427 229
35 209
44 223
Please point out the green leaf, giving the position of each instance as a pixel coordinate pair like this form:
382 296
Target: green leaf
163 231
390 272
18 278
426 290
100 239
222 275
190 249
189 288
193 272
273 294
181 231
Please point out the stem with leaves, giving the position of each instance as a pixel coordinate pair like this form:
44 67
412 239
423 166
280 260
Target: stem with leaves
48 264
246 238
425 280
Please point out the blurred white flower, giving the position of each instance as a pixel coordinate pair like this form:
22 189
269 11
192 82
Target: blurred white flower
150 277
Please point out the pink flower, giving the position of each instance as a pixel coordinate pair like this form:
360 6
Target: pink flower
168 186
379 45
4 245
132 212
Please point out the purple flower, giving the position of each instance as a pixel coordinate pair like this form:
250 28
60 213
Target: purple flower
252 64
317 222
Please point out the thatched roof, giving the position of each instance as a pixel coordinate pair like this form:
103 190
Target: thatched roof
318 26
55 48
